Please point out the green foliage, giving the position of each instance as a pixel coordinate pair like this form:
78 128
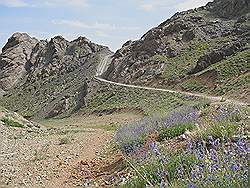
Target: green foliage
233 85
223 129
233 66
148 170
111 127
11 123
64 140
172 132
179 66
159 58
232 75
193 85
40 154
149 102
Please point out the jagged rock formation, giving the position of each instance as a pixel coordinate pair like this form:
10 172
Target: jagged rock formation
14 59
47 78
189 42
229 8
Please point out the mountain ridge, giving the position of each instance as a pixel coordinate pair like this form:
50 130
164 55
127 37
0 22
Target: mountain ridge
190 42
202 50
48 78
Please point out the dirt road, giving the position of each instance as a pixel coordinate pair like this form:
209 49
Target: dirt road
108 58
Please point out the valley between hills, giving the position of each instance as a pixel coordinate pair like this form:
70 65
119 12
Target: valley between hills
168 110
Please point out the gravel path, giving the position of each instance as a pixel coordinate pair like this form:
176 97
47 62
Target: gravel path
31 158
46 156
108 58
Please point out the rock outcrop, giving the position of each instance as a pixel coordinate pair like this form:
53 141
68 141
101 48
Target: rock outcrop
229 8
186 44
14 59
47 78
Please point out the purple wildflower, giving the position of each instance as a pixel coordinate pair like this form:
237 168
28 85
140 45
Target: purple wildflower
234 167
162 184
154 149
191 185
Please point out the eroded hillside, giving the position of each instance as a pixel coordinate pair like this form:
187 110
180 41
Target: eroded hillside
47 78
200 50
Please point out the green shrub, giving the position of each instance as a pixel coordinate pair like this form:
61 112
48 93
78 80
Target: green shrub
168 133
11 123
64 140
223 129
194 85
148 171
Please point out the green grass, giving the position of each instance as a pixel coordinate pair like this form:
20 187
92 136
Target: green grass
223 126
149 102
223 129
149 169
233 66
232 75
193 85
179 66
64 140
11 123
111 127
172 132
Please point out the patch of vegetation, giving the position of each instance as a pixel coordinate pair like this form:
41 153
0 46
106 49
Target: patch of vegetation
232 75
134 135
111 127
159 58
234 85
233 72
233 66
40 154
111 97
178 66
208 160
175 131
193 85
223 129
11 123
64 140
199 165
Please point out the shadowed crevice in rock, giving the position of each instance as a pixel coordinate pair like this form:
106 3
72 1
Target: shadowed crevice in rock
48 78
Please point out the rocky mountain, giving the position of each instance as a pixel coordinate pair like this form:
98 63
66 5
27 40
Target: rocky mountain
201 50
47 78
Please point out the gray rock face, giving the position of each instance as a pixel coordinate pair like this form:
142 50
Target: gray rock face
229 8
144 60
216 56
47 78
14 59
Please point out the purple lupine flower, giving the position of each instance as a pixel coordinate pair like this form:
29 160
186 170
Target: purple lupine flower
213 155
191 185
234 167
154 149
162 184
213 142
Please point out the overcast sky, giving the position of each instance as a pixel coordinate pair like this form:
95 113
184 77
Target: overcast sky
108 22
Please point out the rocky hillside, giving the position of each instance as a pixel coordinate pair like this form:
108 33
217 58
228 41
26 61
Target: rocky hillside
47 78
202 50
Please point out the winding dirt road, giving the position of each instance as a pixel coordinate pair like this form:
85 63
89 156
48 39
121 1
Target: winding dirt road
107 59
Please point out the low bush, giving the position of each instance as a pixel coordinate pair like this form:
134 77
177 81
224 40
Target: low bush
221 129
175 131
64 140
215 163
11 123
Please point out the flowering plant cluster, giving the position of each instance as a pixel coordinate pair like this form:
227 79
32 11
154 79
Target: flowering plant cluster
219 159
131 137
215 163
